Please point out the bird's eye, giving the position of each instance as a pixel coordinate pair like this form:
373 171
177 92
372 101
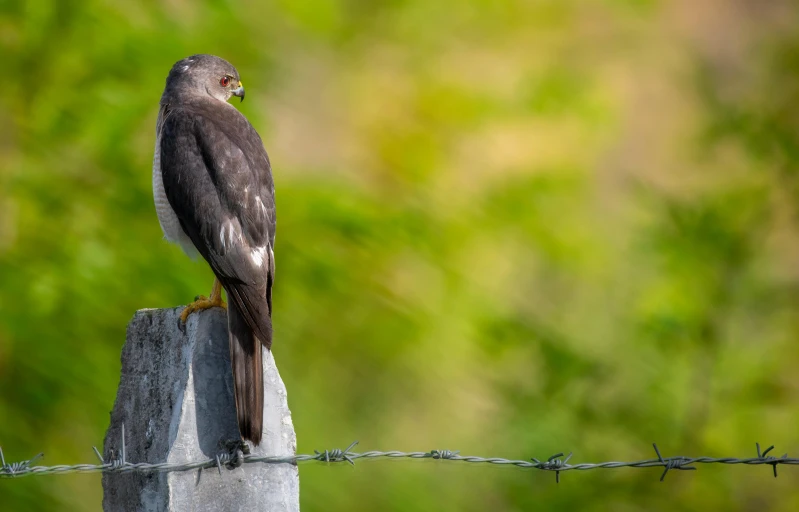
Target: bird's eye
225 81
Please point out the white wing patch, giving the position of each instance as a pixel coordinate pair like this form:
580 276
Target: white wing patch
231 232
264 211
228 233
257 255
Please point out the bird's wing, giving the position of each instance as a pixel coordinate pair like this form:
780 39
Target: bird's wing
218 180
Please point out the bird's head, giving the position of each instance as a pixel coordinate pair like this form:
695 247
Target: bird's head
203 75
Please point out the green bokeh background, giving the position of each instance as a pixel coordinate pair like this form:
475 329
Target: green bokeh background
509 228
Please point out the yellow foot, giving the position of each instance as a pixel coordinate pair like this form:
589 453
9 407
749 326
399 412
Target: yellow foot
201 303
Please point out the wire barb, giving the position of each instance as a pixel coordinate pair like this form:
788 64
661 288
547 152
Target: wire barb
232 454
17 467
96 452
554 464
336 455
118 459
673 463
770 459
443 454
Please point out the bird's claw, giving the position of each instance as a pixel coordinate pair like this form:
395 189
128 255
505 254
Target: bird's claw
200 304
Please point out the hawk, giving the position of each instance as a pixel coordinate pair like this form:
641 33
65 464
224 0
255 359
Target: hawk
214 195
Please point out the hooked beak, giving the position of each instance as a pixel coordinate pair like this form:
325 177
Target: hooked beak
239 91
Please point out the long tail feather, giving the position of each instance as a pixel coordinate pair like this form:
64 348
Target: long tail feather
248 387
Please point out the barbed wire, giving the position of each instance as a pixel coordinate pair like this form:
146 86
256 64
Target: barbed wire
237 454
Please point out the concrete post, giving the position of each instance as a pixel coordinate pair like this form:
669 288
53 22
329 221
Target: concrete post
175 399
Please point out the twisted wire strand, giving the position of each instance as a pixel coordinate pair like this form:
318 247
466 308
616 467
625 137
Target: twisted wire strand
235 457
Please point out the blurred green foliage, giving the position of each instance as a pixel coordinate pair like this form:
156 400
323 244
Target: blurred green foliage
509 228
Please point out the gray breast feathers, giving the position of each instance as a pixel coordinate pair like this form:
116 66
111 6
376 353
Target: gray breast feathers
170 224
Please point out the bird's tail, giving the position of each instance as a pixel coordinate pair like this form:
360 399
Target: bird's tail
248 386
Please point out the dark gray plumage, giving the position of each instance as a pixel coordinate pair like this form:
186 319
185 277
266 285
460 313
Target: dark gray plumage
214 194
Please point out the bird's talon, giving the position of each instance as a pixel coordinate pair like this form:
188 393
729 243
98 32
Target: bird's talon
184 315
201 303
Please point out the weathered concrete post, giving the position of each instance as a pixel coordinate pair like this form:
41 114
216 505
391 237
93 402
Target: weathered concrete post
175 399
